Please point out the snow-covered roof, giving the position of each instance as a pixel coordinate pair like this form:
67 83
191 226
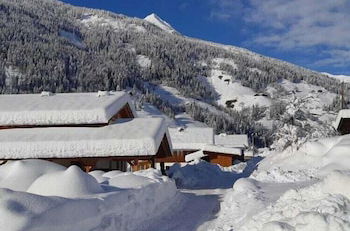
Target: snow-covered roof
233 141
345 113
126 137
222 149
191 138
60 109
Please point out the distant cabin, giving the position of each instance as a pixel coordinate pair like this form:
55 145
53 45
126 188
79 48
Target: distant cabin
342 123
94 131
192 140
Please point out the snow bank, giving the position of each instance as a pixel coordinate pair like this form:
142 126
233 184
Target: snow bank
19 175
129 180
70 183
323 206
99 176
201 174
278 174
115 209
297 189
323 155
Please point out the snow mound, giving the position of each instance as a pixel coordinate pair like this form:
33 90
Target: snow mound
115 210
70 183
19 175
129 181
160 23
112 174
323 155
322 206
277 174
201 174
99 176
245 184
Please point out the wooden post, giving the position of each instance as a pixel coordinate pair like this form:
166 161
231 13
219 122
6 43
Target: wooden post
162 168
153 163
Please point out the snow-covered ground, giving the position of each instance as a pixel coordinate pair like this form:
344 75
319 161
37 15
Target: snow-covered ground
305 189
117 24
39 195
230 90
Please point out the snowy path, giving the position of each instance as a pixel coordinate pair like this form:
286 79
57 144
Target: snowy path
195 210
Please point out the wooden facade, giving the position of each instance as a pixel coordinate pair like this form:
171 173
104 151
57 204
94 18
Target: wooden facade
124 113
225 160
178 156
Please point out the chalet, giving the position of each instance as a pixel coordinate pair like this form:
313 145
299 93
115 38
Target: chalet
192 140
94 131
342 123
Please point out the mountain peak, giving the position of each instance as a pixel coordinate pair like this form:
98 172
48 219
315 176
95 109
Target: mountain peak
160 23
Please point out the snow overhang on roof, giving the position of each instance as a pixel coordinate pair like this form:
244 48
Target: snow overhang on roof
343 114
191 138
222 149
61 109
233 141
127 137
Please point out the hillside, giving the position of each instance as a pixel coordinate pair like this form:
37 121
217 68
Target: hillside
48 45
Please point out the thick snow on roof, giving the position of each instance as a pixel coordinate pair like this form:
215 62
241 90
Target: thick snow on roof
222 149
191 138
58 109
345 113
233 141
127 137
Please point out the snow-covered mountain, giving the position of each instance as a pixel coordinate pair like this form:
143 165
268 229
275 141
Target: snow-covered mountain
229 88
157 21
344 78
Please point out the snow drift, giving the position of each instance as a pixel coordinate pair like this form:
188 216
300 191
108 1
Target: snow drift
297 189
78 202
